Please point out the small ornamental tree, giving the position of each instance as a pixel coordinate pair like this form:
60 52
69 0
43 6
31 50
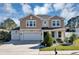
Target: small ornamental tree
72 38
48 40
66 40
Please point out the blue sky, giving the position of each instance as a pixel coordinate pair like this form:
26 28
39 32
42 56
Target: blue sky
17 10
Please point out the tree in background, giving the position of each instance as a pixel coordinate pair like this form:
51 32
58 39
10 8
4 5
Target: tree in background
1 25
9 24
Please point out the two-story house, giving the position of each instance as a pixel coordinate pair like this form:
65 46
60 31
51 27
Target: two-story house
34 27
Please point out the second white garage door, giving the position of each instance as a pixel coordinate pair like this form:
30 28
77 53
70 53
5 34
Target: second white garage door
31 36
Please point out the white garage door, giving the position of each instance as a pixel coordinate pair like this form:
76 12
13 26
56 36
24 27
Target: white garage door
31 36
15 35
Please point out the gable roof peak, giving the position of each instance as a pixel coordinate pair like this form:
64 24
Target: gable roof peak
56 17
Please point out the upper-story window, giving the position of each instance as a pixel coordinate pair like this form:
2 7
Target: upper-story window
31 23
58 23
55 23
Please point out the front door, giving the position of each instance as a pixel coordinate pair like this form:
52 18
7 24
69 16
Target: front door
44 33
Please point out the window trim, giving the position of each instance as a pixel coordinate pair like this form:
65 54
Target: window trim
56 23
28 22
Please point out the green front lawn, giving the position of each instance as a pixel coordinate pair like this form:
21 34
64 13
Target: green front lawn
75 46
60 48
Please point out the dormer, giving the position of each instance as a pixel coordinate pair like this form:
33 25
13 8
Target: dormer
56 21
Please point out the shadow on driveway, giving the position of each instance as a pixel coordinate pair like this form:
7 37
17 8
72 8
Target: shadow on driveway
35 47
23 42
75 53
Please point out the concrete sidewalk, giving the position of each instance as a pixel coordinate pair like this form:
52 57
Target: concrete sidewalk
74 52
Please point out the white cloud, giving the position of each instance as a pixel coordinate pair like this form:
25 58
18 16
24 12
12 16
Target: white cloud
9 12
43 10
8 8
40 10
26 9
61 6
67 14
70 5
2 18
37 10
68 11
58 6
70 14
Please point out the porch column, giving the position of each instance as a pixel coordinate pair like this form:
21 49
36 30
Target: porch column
63 35
50 33
56 34
42 36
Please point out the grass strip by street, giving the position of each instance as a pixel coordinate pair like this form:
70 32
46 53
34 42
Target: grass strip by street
59 47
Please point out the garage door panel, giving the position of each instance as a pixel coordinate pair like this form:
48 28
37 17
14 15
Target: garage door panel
15 35
32 36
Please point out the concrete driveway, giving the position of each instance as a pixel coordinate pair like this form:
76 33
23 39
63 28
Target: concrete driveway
29 48
19 48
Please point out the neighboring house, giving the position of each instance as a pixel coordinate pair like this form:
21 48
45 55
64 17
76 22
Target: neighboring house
73 25
35 27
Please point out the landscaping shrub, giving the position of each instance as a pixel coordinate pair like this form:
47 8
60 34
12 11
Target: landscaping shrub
54 41
71 41
72 38
76 42
66 40
48 40
59 40
4 36
42 43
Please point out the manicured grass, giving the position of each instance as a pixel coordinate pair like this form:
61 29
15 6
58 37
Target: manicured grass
76 41
60 48
75 46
